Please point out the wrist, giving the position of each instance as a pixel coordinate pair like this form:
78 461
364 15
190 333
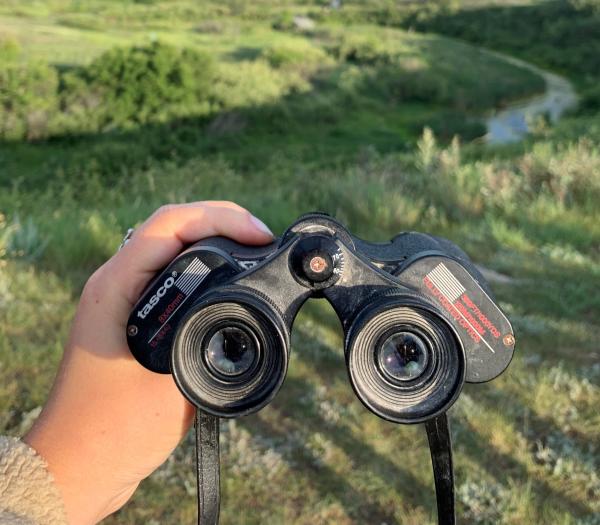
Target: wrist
86 486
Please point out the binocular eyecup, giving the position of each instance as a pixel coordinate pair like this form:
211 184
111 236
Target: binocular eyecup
230 354
405 362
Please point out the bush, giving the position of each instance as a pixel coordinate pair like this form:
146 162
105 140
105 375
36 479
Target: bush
300 55
483 503
284 22
569 174
28 100
251 84
20 240
5 234
121 88
362 49
82 105
399 83
150 83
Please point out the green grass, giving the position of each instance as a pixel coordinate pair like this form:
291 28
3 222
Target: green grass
328 138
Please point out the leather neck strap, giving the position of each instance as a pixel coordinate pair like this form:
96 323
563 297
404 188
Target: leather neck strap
207 457
440 448
207 461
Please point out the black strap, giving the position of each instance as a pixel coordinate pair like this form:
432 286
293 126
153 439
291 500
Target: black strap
440 447
207 458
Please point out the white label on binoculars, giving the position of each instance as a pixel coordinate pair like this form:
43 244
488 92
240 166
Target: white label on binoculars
453 296
192 276
187 283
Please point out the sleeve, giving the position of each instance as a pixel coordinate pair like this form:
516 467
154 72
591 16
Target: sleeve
28 495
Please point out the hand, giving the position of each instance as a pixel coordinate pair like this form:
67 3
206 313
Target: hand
109 422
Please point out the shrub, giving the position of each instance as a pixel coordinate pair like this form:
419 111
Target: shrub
483 502
362 49
155 82
5 235
250 84
284 22
397 84
122 87
449 187
299 55
82 105
569 173
28 99
20 240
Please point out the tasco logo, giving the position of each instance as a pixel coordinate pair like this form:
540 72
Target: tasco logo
155 299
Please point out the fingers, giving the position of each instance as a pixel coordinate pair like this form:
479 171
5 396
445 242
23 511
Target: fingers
163 236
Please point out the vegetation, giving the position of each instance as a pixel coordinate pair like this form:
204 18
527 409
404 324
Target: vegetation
27 100
562 34
177 100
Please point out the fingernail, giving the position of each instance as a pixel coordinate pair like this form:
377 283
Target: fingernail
261 225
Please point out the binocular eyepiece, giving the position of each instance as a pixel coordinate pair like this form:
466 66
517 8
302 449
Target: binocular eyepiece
417 316
230 354
405 362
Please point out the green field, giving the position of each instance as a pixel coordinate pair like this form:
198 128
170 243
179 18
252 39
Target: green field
356 117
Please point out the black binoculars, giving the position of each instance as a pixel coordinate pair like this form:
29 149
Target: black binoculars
418 319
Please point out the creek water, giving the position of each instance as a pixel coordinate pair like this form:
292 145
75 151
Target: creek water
512 123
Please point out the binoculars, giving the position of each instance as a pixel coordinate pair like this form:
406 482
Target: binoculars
418 319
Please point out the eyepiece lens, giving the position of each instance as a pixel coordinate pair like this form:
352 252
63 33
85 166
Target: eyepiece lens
230 351
403 356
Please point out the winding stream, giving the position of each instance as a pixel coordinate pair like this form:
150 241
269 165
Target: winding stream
511 124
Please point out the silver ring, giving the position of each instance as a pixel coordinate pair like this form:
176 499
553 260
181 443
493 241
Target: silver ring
127 238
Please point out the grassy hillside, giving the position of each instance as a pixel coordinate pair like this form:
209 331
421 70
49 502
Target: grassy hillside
319 96
329 119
